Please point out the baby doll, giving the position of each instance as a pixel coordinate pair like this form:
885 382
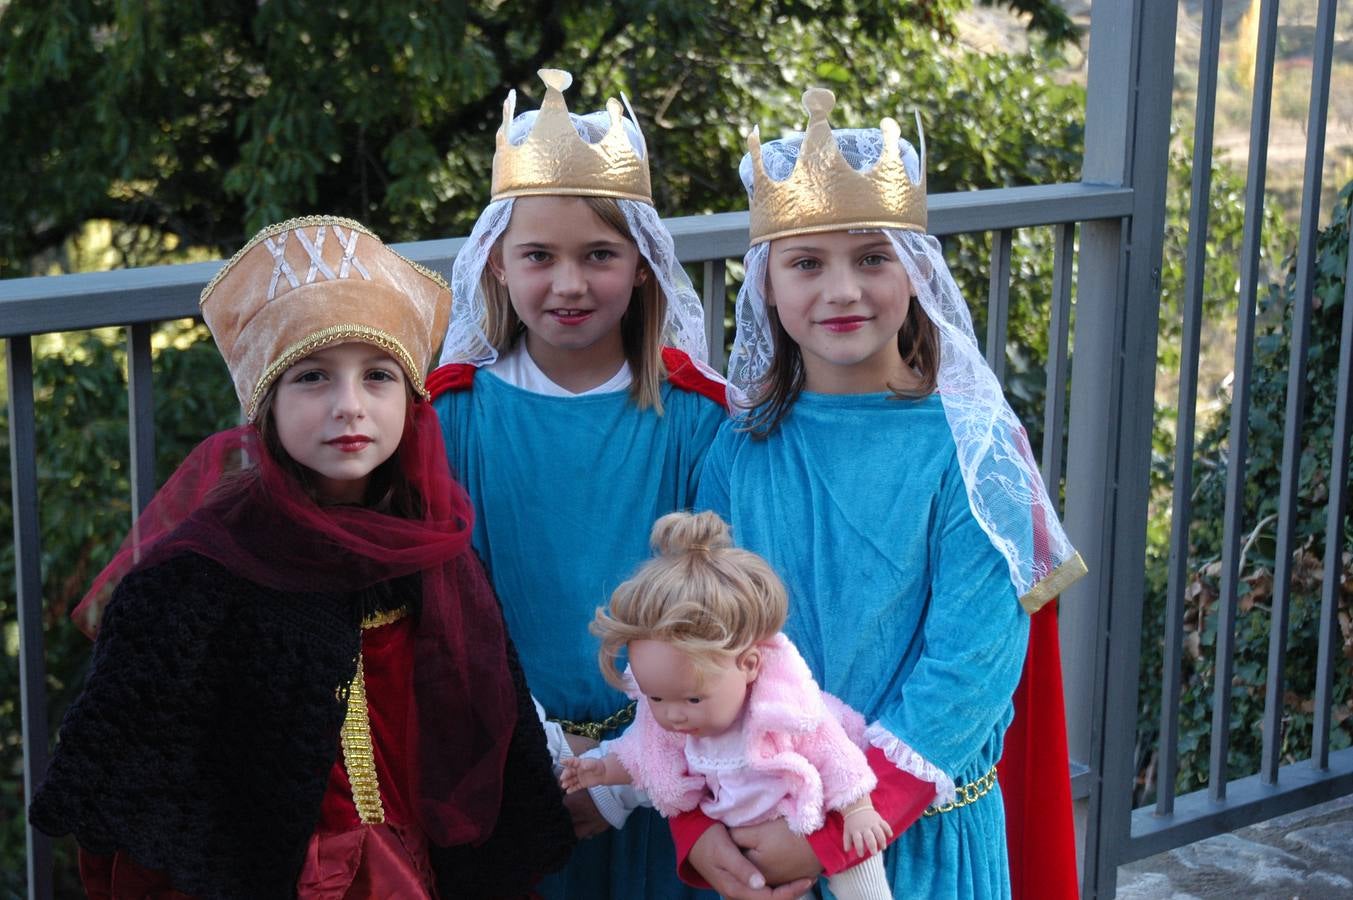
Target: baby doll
729 718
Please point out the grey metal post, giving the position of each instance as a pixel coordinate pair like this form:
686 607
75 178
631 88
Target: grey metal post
1126 142
1182 504
998 302
140 416
715 300
1299 338
1238 444
28 577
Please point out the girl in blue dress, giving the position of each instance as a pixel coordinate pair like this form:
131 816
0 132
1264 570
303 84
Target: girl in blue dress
577 409
882 473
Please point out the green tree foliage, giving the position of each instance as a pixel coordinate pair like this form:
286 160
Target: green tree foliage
1259 524
208 121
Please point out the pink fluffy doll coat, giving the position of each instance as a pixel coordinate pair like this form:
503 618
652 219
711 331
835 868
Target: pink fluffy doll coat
792 729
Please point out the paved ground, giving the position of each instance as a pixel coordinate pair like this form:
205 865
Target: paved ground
1307 855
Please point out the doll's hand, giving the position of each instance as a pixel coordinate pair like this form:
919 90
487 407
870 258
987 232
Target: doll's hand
865 829
580 773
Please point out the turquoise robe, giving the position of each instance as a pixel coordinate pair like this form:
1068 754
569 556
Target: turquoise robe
899 602
566 490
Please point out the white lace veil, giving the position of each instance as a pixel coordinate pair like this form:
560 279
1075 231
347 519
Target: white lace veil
685 325
1002 478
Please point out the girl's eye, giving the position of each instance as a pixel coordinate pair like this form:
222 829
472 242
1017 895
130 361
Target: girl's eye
382 375
310 376
603 255
874 259
654 699
692 699
538 256
806 264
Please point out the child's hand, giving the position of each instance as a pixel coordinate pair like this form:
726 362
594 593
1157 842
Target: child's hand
580 773
865 829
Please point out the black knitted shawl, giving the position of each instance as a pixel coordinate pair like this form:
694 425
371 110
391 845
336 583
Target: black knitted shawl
203 740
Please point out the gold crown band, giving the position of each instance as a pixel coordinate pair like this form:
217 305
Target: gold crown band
554 159
824 192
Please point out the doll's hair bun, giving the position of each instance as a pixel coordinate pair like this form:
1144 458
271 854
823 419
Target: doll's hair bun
682 532
699 593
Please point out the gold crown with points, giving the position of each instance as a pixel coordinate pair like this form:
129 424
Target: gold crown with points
825 192
554 158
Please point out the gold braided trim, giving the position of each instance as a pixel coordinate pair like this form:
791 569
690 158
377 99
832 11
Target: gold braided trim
862 225
336 334
358 756
1056 581
311 222
376 620
553 191
966 793
596 730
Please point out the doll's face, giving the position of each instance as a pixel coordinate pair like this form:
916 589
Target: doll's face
571 277
340 413
699 701
842 297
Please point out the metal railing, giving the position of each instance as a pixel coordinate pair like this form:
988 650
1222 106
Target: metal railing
136 299
1126 140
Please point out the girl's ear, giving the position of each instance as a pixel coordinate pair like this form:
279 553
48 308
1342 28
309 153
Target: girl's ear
495 262
749 663
641 274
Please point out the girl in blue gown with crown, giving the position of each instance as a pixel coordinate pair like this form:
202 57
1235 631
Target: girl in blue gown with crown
577 409
882 473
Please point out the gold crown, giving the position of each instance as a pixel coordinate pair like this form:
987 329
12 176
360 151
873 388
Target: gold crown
313 282
554 158
826 193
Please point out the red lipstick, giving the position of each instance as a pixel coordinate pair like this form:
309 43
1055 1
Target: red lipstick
842 324
350 443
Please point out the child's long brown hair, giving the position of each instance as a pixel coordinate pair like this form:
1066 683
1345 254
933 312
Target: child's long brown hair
640 328
918 341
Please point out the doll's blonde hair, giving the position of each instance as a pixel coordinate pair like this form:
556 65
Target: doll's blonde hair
699 593
640 328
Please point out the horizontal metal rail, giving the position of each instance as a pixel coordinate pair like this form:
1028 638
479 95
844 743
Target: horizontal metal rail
1248 800
159 293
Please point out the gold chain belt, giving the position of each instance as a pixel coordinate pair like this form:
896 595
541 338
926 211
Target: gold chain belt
595 730
966 793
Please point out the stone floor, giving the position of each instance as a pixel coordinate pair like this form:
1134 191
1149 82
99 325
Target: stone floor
1307 855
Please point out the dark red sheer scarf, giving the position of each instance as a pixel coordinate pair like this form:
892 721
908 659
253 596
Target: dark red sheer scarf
231 502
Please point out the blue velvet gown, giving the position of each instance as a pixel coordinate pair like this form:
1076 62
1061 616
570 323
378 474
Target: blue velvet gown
899 602
566 490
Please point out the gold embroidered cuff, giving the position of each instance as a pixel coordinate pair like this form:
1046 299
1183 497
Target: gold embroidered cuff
1056 581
